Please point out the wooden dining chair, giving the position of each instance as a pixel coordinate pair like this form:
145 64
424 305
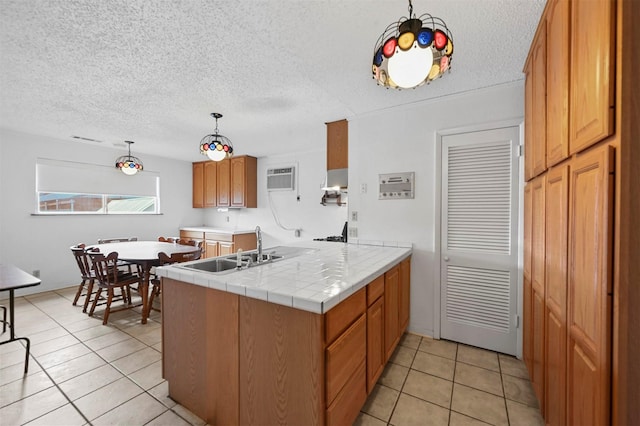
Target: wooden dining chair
109 278
87 275
167 239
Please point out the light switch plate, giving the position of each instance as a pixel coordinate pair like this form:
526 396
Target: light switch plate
354 216
353 232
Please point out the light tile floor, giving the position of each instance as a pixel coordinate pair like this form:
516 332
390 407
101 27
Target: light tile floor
81 372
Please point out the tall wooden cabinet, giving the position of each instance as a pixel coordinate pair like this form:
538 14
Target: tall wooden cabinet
577 280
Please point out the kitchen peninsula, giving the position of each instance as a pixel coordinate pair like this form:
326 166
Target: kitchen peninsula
300 340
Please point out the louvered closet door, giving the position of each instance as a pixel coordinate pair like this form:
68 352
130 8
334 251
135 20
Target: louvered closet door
479 264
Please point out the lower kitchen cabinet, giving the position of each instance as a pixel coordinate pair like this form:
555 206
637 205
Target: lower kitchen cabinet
391 310
221 244
280 365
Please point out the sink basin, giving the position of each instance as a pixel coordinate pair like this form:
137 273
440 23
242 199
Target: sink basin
213 265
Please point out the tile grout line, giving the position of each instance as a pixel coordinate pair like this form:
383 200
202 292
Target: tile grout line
506 408
107 363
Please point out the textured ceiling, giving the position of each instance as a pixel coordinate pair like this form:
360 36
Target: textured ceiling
152 71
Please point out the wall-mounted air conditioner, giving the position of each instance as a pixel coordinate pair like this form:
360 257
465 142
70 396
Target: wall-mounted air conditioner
281 179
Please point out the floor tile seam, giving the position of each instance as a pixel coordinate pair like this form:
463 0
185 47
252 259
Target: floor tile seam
484 368
64 394
430 402
481 390
120 404
438 355
471 416
135 371
506 408
432 375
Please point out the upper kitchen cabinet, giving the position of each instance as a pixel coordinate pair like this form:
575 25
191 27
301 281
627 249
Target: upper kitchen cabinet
592 72
228 183
558 49
244 181
535 105
337 145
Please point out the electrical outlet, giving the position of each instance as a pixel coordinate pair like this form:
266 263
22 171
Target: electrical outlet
363 188
227 218
354 216
353 232
36 273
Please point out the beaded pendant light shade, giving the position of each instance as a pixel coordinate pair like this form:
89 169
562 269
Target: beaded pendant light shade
412 51
216 146
128 164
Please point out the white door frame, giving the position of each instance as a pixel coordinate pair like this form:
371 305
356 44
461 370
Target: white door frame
515 122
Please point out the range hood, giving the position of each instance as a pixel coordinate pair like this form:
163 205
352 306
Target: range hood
337 180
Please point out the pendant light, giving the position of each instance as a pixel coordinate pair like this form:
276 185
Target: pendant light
216 146
412 51
128 164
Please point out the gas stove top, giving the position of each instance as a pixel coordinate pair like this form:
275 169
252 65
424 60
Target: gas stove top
337 238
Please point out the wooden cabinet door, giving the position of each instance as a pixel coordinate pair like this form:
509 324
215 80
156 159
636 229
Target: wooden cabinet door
592 72
391 303
589 287
558 15
337 145
198 185
528 122
238 183
538 284
210 184
404 295
539 89
344 356
224 183
375 343
527 329
211 249
556 207
225 248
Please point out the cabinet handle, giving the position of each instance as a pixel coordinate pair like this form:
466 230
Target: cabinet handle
446 258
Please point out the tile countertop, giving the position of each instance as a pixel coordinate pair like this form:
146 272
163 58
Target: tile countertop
217 230
315 281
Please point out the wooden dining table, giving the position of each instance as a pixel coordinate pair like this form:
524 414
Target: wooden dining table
145 254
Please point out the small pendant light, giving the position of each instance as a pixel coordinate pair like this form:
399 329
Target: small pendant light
216 146
128 164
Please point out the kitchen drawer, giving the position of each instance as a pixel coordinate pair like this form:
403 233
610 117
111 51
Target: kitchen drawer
375 289
217 236
343 315
344 356
350 400
192 235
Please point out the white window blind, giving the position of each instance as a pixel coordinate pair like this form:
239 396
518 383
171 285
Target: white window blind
71 177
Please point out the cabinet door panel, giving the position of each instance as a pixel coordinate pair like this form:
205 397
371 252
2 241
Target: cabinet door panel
375 343
528 123
592 76
237 181
344 356
538 284
404 295
210 184
558 81
589 291
556 206
337 145
391 323
540 102
198 185
527 332
224 183
538 313
211 249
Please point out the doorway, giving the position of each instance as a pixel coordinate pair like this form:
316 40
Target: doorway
479 238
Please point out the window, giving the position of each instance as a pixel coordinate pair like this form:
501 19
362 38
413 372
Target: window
64 187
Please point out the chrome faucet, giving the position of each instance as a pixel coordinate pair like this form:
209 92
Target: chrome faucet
259 241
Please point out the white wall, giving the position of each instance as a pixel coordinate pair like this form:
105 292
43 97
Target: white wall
404 140
42 242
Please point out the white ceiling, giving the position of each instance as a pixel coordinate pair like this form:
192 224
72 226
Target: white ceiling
152 71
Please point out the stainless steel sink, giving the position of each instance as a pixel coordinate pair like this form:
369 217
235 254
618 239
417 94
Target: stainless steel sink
217 264
249 259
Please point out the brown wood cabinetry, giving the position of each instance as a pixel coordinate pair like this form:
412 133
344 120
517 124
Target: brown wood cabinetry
376 353
223 183
337 145
592 76
391 311
228 183
588 295
404 296
198 185
219 243
272 364
557 62
243 182
590 287
538 285
556 207
539 71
